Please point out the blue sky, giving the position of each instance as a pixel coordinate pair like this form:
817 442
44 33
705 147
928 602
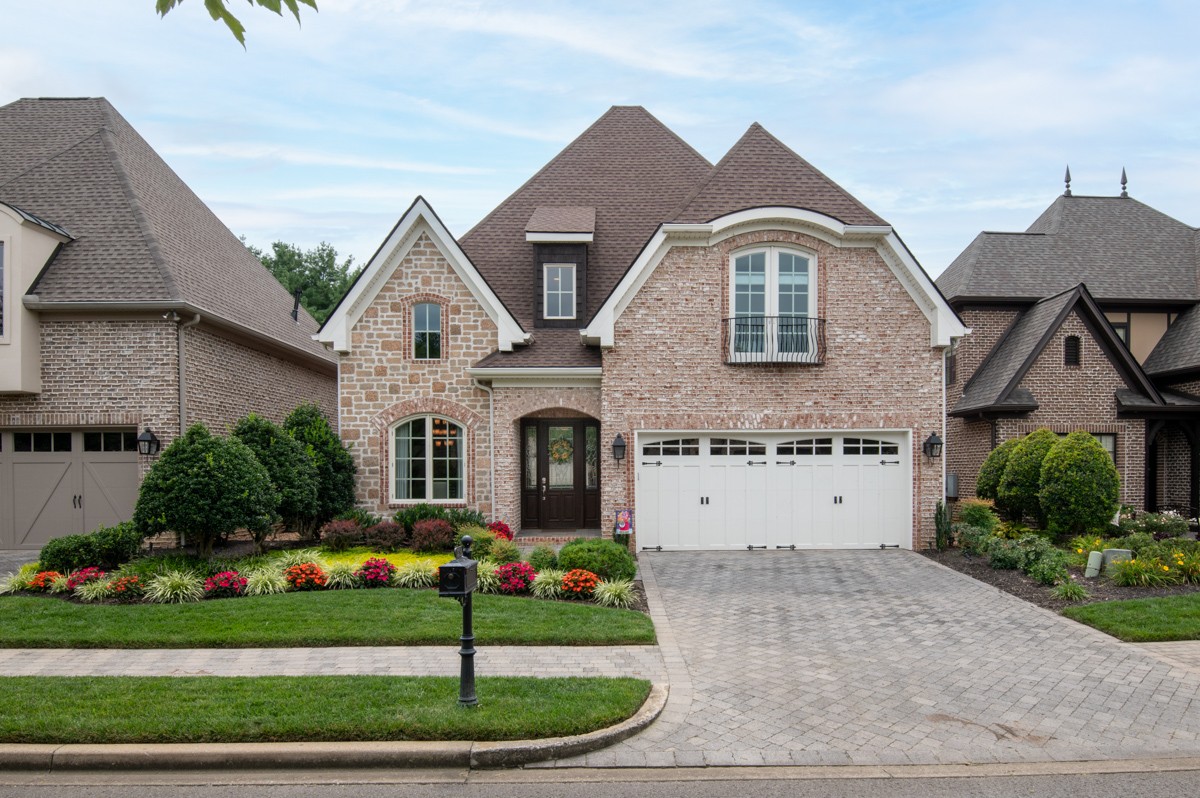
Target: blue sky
945 118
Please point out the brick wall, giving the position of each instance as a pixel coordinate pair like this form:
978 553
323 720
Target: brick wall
381 383
227 380
111 373
879 372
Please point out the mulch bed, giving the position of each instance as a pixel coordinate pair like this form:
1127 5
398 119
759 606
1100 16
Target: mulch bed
1021 586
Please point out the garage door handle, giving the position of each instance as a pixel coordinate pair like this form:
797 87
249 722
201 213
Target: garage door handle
785 462
889 462
655 463
754 462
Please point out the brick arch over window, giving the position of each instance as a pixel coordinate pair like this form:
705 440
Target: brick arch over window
471 422
406 305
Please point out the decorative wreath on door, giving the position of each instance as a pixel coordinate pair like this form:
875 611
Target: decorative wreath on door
561 450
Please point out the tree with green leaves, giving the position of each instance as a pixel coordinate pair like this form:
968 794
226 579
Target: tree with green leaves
316 272
335 467
218 10
293 470
205 487
1018 491
1080 486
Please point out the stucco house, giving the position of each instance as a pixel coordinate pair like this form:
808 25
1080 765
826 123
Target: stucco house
125 307
740 354
1087 320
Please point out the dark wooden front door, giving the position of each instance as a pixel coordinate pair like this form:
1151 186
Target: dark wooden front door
560 473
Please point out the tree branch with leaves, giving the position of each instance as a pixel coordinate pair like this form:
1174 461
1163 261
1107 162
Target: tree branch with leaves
219 11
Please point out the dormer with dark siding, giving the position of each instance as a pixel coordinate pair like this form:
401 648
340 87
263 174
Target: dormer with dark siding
560 238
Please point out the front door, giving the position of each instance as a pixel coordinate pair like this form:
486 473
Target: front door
561 480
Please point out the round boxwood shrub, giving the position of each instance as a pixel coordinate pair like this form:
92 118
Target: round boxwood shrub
1018 491
481 541
988 482
205 487
543 558
335 467
293 472
504 551
1080 489
107 547
605 558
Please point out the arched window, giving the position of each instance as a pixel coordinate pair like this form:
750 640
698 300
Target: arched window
429 460
773 297
1071 354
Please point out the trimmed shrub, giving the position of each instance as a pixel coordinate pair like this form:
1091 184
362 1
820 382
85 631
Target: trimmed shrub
1019 486
1080 489
206 487
335 468
432 534
481 541
386 536
973 539
978 512
987 484
505 551
515 577
543 557
107 547
409 517
293 472
605 558
1005 555
617 593
460 517
341 535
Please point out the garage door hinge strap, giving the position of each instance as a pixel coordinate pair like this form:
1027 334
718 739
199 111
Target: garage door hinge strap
756 462
789 548
655 463
889 545
752 548
785 462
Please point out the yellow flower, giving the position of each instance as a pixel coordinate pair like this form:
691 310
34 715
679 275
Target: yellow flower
1079 551
1166 568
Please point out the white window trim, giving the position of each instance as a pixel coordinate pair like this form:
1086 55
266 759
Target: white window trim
392 470
7 264
546 289
415 331
772 292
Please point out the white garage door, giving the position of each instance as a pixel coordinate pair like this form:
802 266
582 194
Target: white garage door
733 490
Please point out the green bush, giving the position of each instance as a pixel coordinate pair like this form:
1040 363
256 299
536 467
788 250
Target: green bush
543 557
107 547
481 541
987 484
1080 488
432 534
460 517
408 517
1033 548
504 552
1137 542
1161 525
206 487
1048 569
1005 555
335 466
978 513
605 558
293 472
1142 572
1019 486
942 526
973 539
363 518
1070 590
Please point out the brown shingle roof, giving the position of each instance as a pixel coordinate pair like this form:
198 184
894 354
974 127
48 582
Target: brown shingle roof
140 233
550 348
761 171
562 220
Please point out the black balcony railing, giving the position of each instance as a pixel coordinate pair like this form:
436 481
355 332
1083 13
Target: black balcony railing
774 339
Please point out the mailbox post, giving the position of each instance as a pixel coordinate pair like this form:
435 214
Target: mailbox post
457 580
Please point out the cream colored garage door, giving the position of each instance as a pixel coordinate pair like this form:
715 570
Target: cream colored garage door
734 490
63 482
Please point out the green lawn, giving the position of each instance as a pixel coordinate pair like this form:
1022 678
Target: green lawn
305 708
392 617
1151 620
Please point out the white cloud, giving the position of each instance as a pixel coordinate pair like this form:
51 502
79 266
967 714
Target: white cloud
268 152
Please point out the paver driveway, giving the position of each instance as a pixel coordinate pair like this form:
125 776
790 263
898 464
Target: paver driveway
884 658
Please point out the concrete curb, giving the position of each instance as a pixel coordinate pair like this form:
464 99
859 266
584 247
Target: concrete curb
243 756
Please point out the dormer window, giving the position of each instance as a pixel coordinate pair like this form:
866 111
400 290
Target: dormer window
559 299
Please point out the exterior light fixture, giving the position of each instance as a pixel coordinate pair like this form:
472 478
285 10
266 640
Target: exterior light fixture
619 448
147 443
932 446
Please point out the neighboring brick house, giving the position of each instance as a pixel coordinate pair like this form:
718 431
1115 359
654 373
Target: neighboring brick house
125 305
1087 320
740 354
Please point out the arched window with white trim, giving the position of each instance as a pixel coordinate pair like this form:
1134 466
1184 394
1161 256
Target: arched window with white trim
428 460
773 297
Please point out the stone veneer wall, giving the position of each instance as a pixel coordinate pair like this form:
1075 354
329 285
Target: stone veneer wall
381 383
1073 398
227 380
514 404
666 370
103 373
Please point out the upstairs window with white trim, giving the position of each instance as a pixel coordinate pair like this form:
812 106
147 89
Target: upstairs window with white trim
427 331
773 296
429 460
559 282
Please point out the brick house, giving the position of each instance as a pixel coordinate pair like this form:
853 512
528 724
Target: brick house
1087 320
740 354
125 305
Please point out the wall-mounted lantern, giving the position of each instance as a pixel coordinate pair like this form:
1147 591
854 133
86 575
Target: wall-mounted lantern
147 443
619 448
932 446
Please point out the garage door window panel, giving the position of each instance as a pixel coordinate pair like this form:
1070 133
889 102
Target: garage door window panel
733 446
869 446
806 446
680 447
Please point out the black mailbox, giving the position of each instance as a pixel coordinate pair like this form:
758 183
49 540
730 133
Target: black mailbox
458 577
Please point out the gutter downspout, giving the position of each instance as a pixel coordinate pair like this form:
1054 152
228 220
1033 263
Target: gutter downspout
491 441
183 374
